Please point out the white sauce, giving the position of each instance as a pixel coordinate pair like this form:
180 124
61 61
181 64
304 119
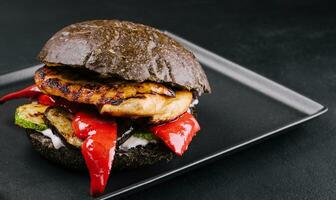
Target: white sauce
194 103
133 142
57 142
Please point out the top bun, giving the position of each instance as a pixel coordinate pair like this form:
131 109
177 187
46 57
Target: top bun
126 50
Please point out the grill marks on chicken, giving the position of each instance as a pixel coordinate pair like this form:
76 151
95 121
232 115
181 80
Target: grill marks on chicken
116 98
84 88
157 107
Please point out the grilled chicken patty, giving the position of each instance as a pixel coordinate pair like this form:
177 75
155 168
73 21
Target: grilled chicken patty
85 88
157 107
114 97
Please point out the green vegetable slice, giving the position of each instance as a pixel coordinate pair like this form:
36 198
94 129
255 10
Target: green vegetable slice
60 121
31 116
145 135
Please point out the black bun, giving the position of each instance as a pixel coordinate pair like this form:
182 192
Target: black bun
72 157
126 50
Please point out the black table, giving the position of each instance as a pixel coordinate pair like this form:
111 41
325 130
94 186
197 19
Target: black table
291 43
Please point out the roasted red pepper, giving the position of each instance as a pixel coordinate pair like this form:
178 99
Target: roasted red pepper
57 101
177 134
46 100
34 92
98 148
29 92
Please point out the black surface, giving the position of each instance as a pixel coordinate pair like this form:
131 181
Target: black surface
293 44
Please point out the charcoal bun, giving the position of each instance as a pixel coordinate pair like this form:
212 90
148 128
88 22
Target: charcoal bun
125 50
71 157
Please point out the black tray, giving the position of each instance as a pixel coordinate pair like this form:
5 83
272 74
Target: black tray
244 108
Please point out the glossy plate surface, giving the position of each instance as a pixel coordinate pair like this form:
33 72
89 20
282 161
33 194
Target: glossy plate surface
244 108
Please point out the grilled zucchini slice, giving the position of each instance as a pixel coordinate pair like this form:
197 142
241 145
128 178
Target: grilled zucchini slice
31 116
60 121
145 135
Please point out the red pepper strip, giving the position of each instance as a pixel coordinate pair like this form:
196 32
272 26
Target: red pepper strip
34 92
29 92
98 148
56 101
46 100
177 134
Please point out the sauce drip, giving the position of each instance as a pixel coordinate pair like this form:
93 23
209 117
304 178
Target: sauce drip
177 134
98 149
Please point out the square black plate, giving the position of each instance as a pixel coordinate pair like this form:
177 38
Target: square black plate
244 108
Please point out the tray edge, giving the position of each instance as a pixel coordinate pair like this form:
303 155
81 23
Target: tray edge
220 154
250 78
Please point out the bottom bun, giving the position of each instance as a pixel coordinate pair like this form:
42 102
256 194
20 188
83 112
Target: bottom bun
72 158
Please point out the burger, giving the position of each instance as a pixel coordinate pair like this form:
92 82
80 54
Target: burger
111 94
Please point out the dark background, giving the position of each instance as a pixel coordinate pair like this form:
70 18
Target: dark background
293 43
